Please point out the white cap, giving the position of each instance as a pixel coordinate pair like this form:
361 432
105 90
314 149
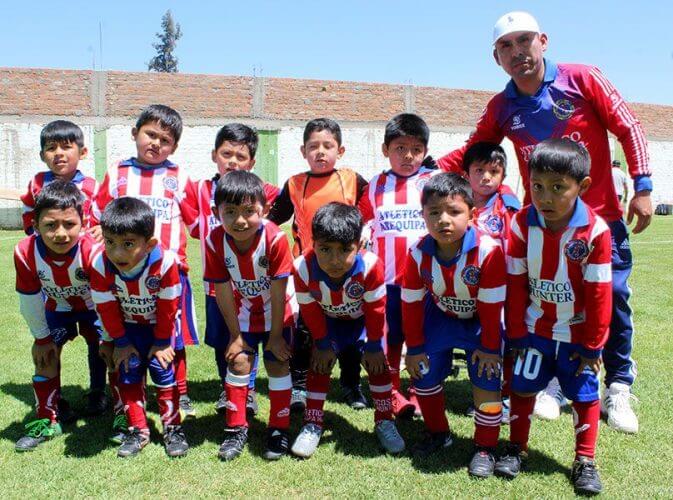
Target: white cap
512 22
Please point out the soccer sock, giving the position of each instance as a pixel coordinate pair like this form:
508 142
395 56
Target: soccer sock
117 403
431 402
381 387
180 363
237 394
253 373
586 417
394 356
97 368
316 386
133 396
280 391
168 399
487 427
520 413
222 364
47 394
507 367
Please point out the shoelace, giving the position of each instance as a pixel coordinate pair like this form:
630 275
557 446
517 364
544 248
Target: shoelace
37 428
389 430
620 400
237 436
175 432
586 470
134 436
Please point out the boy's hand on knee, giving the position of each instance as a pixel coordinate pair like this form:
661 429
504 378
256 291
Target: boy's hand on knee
279 348
163 353
375 362
44 355
236 347
593 363
488 363
417 364
122 355
322 361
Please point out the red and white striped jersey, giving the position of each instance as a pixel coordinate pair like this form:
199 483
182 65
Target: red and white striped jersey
87 185
199 216
560 282
471 284
363 292
251 273
494 218
162 187
150 297
64 282
392 209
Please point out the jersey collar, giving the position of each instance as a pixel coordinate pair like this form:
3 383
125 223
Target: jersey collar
44 251
358 267
579 218
550 70
50 177
133 162
429 245
154 256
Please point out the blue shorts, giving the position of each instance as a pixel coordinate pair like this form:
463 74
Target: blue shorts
217 333
253 339
186 331
546 359
394 315
63 326
142 338
345 333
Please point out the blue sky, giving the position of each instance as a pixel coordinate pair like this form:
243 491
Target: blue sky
437 43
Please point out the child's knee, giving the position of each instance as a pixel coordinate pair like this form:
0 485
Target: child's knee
277 368
241 364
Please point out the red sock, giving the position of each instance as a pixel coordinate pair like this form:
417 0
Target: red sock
431 402
133 396
280 392
586 417
380 387
47 394
316 386
168 399
394 356
520 413
237 394
117 403
180 363
507 368
486 428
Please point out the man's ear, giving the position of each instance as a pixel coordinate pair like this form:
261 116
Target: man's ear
495 56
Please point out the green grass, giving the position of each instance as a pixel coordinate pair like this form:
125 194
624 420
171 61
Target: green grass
348 461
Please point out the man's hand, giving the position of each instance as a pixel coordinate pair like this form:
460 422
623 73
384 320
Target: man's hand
487 362
235 348
414 364
322 361
279 348
44 355
122 355
374 362
97 233
641 207
593 363
163 353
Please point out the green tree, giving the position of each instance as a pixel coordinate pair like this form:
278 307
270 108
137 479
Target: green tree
165 61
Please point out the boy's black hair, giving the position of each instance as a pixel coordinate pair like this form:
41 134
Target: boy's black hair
128 215
447 184
320 124
484 152
166 116
561 156
59 195
237 132
61 131
406 124
239 186
337 222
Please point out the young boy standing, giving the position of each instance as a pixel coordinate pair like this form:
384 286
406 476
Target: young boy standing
341 295
559 303
152 178
248 262
453 291
135 285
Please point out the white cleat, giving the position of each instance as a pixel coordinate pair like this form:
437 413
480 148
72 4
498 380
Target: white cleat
616 404
307 441
548 403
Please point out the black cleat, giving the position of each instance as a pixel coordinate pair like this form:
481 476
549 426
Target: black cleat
66 415
97 403
508 464
482 464
277 444
433 442
175 441
233 443
134 441
585 478
37 432
354 398
221 403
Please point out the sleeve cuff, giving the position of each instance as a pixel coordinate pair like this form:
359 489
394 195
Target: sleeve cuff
419 349
642 183
590 353
373 346
122 341
323 344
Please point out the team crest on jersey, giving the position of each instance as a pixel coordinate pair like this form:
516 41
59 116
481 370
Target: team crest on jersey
576 250
171 183
228 263
355 290
81 275
263 261
470 275
493 223
153 282
563 109
41 274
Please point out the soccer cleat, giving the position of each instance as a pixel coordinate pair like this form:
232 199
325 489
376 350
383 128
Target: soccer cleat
585 478
389 437
277 444
97 403
482 464
37 432
354 398
66 415
251 406
175 441
233 443
120 426
402 407
298 400
432 443
505 412
186 407
221 403
509 463
616 405
414 401
134 441
307 441
548 403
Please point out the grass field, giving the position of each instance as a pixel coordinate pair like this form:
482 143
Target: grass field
348 462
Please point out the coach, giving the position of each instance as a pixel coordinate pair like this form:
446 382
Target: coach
544 100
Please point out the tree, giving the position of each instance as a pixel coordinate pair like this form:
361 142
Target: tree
165 61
